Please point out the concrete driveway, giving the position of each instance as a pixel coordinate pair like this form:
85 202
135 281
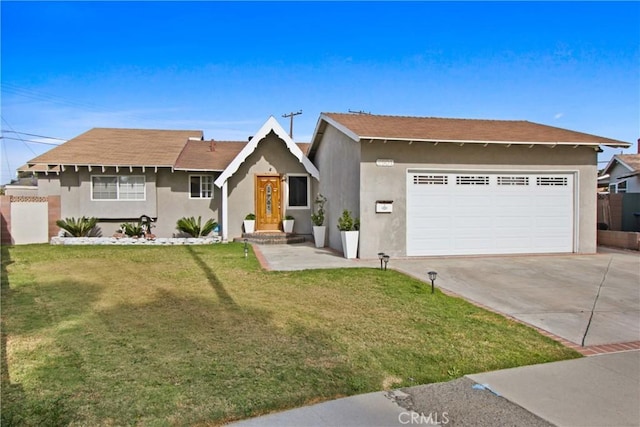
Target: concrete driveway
586 299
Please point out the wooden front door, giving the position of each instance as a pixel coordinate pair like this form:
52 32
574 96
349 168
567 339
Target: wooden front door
268 209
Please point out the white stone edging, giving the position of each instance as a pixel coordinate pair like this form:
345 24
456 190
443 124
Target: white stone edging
131 241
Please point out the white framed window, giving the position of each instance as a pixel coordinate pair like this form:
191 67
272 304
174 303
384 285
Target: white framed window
298 191
200 186
618 187
122 187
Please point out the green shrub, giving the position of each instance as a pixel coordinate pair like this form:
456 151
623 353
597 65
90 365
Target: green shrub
347 223
80 227
318 217
131 230
193 227
250 217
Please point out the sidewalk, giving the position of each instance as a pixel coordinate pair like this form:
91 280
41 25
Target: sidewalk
601 390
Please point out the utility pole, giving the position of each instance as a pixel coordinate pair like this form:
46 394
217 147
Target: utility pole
291 115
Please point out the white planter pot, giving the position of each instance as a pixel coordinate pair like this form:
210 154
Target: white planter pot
249 226
350 243
287 225
319 231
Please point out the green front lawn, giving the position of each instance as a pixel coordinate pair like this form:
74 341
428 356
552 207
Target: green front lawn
185 335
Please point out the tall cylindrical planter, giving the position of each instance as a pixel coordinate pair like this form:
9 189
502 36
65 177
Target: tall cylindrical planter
319 232
350 243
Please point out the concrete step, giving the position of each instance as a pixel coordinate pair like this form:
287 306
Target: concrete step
271 238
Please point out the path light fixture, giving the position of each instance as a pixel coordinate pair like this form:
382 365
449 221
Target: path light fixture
385 258
432 277
246 248
380 256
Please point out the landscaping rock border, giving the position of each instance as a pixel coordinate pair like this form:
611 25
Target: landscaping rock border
163 241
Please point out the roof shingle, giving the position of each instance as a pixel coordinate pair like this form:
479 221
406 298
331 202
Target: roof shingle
446 129
120 147
631 160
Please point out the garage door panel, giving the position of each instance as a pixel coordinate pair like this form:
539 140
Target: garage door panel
490 213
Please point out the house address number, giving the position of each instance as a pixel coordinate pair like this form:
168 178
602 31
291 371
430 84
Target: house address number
384 162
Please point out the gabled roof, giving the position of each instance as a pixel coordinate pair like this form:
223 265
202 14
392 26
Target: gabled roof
120 147
271 125
629 161
363 127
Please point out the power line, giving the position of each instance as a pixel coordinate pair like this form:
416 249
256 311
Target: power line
19 139
43 96
32 134
30 141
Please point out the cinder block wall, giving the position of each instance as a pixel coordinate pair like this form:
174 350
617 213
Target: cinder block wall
5 218
619 239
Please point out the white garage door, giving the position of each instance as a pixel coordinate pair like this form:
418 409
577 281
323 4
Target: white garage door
489 213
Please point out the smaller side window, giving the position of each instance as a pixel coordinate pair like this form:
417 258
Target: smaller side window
298 191
622 187
200 186
618 187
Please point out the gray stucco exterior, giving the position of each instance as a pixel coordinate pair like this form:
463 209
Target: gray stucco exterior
353 171
351 179
166 198
271 157
340 179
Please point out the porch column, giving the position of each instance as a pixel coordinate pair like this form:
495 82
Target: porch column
225 222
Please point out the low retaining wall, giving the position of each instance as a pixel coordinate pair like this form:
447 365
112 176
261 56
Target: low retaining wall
619 239
131 241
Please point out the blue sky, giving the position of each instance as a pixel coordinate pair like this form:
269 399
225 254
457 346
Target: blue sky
225 67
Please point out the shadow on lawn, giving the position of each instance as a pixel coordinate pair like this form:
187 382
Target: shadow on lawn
176 358
192 359
215 283
24 318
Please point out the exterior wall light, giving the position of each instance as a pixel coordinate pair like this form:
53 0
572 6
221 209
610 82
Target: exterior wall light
432 277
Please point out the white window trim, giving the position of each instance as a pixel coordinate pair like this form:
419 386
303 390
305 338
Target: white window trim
308 206
118 199
613 188
200 176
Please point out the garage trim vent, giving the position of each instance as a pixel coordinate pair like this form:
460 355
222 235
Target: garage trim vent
556 181
430 179
472 180
513 180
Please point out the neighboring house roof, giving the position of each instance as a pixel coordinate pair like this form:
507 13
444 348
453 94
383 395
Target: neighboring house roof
432 129
120 147
271 125
629 161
